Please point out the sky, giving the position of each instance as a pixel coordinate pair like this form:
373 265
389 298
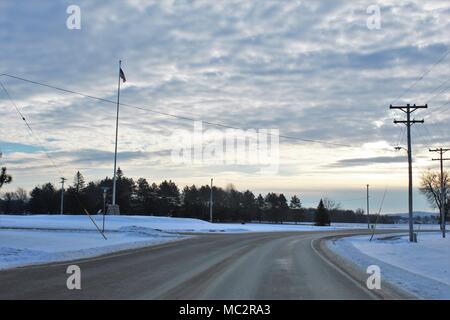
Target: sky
314 70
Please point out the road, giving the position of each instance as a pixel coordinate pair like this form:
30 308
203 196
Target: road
226 266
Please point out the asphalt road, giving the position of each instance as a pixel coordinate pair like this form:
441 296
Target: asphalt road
227 266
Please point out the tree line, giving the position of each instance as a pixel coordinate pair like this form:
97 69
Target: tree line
140 197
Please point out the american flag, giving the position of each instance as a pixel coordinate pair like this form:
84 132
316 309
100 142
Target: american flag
122 75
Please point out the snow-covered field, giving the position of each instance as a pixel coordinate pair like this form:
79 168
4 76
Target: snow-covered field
82 222
36 239
422 268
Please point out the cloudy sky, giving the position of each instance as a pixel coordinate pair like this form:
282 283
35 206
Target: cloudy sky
311 69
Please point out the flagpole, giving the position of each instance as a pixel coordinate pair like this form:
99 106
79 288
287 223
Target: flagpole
117 132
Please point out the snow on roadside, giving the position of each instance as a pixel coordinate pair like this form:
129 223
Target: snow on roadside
81 222
37 239
27 247
422 268
113 223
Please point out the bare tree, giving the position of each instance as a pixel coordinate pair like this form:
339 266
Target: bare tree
331 206
22 194
430 186
15 202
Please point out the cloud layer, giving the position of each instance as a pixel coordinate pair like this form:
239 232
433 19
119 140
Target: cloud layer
310 69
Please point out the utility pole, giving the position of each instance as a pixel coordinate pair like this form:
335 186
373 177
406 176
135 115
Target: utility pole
408 109
211 202
62 194
368 215
441 152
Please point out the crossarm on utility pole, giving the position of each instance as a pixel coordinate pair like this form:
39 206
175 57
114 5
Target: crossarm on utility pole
408 122
408 107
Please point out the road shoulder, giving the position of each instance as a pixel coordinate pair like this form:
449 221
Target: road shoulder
388 291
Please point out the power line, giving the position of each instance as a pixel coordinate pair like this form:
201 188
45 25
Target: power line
379 213
214 123
348 200
401 136
433 94
337 201
431 97
433 112
185 118
421 136
48 156
422 76
437 109
439 93
28 125
428 133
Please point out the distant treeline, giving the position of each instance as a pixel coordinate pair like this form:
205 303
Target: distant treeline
166 199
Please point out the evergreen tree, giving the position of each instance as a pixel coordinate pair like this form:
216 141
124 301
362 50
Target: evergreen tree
283 209
44 199
92 199
234 203
249 206
4 177
260 204
168 197
78 182
125 191
192 203
295 203
146 197
321 217
272 206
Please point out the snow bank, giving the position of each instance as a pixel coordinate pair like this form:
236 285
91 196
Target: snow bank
36 239
21 247
422 268
82 222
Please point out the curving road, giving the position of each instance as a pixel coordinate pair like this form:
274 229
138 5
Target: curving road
227 266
